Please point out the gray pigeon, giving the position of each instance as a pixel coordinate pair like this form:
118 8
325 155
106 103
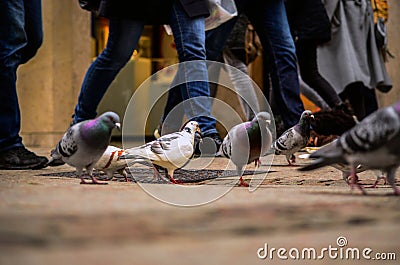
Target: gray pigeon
84 143
294 138
373 143
247 142
170 151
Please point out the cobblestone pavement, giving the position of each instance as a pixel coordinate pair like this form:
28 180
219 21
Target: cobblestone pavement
46 217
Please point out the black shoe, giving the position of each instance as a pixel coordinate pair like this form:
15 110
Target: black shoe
209 145
21 158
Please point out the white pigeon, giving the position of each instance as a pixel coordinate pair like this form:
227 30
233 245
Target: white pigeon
247 142
170 151
111 162
84 143
373 143
294 138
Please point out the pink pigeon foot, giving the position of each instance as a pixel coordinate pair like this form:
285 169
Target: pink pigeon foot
242 183
174 181
94 181
354 181
374 186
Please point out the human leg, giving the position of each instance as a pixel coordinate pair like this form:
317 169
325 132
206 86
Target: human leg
270 21
307 58
33 29
192 76
18 44
12 41
122 40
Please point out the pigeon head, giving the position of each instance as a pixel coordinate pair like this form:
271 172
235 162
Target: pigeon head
306 115
261 120
110 120
263 116
191 127
304 123
305 118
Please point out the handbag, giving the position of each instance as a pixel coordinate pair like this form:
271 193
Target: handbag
220 12
252 44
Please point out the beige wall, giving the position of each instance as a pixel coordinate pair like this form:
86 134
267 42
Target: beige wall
393 65
48 85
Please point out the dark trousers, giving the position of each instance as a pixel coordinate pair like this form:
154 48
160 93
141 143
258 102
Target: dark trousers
306 51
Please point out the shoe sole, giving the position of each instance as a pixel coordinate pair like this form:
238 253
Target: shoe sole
34 166
55 163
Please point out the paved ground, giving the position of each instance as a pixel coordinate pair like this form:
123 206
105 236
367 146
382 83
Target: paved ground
46 217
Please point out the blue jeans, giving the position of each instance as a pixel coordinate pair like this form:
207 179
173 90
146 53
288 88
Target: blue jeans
270 21
122 40
190 84
21 35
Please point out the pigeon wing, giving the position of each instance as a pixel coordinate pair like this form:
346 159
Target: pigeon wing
374 131
67 145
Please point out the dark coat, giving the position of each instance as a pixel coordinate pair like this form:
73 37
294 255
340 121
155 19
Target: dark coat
308 20
154 12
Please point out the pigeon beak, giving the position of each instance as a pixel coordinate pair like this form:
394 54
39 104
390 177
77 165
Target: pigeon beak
118 125
198 136
312 117
268 121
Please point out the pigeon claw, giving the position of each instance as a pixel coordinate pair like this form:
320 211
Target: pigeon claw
354 181
374 186
94 181
291 160
174 181
242 183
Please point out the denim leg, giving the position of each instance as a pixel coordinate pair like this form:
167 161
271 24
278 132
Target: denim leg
17 18
216 39
192 76
172 121
215 42
33 29
122 40
270 21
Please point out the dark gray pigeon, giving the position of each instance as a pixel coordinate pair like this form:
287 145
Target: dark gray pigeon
373 143
294 138
247 142
85 142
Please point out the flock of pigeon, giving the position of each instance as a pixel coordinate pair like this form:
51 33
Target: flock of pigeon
372 144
